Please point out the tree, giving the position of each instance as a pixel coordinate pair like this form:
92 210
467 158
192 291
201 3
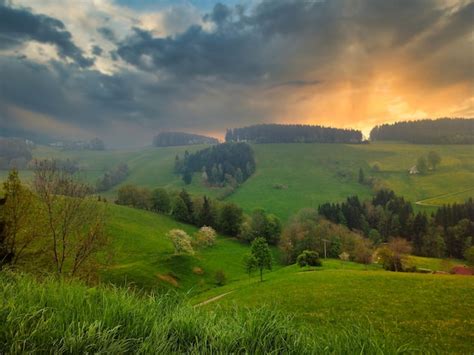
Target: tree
308 258
18 217
249 264
181 242
187 177
230 219
434 159
422 165
361 176
205 237
393 255
189 204
160 201
469 255
180 211
206 215
262 255
74 221
363 251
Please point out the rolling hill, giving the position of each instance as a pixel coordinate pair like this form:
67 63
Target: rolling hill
433 313
293 176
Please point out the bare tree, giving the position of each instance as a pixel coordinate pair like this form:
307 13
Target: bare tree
73 220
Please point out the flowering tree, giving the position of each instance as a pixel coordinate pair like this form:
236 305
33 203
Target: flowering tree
181 241
205 237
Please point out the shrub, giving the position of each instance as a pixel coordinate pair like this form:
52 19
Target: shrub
220 277
308 258
181 242
205 237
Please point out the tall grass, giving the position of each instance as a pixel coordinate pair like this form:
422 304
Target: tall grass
66 317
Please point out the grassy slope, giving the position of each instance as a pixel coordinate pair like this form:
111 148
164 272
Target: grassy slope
310 173
142 252
431 311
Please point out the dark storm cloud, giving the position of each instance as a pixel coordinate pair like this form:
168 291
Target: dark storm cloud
280 40
19 25
215 75
96 50
107 33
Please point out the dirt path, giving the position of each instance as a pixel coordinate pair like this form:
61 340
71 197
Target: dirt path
212 299
425 203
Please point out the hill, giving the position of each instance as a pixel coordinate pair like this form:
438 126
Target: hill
289 177
142 255
433 313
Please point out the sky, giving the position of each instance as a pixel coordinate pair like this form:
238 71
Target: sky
124 70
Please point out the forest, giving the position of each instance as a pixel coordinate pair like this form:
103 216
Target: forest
220 165
292 133
429 131
169 139
447 232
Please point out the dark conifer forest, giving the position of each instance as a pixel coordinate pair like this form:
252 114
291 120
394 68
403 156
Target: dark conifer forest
440 131
292 133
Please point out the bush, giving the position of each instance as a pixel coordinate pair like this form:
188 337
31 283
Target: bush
308 258
205 237
221 278
181 241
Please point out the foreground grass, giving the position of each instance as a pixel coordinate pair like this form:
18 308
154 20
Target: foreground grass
431 312
62 317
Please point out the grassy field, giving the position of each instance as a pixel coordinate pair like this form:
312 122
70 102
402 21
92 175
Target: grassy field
434 313
293 176
144 256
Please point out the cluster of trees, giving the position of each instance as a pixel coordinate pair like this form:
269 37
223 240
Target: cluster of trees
225 217
185 244
220 165
14 153
113 177
448 232
439 131
430 161
308 231
168 139
292 133
56 227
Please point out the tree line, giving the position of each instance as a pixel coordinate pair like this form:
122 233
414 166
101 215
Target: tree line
292 133
169 139
447 232
219 165
225 217
429 131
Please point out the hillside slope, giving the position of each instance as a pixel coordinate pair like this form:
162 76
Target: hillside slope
431 312
293 176
144 256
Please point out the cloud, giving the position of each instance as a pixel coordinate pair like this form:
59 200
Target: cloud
19 25
346 63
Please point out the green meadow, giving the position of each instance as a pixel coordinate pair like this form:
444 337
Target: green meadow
433 313
293 176
143 256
